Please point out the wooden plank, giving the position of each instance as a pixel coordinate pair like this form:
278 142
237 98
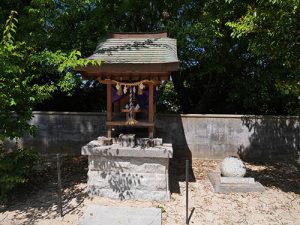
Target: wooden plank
109 108
151 110
127 110
150 132
123 123
117 107
123 76
131 68
151 105
108 81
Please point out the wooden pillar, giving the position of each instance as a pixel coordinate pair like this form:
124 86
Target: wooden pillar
117 107
109 108
151 110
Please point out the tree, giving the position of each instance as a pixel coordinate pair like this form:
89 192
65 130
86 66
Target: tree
272 30
225 73
21 80
230 51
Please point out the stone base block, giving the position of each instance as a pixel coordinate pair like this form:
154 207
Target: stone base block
128 172
122 182
129 194
131 165
220 187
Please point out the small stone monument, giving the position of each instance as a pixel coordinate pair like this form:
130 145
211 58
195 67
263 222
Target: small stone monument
232 167
231 178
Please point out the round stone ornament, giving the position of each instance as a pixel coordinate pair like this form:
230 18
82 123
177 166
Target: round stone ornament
232 167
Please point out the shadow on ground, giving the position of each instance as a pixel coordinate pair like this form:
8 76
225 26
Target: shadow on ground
282 175
38 199
177 173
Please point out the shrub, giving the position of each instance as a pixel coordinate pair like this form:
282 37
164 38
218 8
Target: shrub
15 169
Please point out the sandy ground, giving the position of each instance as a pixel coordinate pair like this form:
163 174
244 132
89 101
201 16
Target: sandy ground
279 204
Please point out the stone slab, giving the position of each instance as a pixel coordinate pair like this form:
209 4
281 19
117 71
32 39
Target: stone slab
129 194
219 187
107 215
237 180
120 182
129 164
95 148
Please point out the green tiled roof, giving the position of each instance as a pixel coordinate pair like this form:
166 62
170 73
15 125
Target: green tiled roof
137 50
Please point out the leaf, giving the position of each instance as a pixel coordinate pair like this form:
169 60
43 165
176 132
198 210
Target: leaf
12 102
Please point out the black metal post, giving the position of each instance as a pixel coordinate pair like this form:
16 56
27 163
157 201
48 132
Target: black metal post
59 186
187 191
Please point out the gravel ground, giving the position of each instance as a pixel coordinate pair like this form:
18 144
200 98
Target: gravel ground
36 203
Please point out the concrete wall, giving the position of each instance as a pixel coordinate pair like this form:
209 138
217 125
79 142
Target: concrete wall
192 136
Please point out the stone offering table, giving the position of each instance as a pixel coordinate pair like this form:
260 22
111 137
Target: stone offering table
126 172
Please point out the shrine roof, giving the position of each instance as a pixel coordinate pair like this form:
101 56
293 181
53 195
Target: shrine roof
137 48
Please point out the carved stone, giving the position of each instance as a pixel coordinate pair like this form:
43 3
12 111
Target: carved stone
232 167
127 140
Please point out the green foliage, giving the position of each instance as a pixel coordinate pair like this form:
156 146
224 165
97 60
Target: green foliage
28 77
236 56
15 169
167 98
272 30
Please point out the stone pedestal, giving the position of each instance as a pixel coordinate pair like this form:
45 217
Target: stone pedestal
129 172
231 178
234 184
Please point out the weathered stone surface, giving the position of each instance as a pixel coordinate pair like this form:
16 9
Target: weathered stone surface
127 140
120 182
104 140
145 142
94 148
157 141
108 215
232 167
199 136
219 187
130 194
129 164
129 177
125 172
237 180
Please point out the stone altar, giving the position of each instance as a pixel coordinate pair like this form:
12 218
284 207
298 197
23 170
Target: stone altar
128 171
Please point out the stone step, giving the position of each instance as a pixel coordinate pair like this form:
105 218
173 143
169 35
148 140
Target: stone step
109 215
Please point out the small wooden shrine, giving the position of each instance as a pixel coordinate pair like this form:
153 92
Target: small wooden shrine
127 166
132 66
